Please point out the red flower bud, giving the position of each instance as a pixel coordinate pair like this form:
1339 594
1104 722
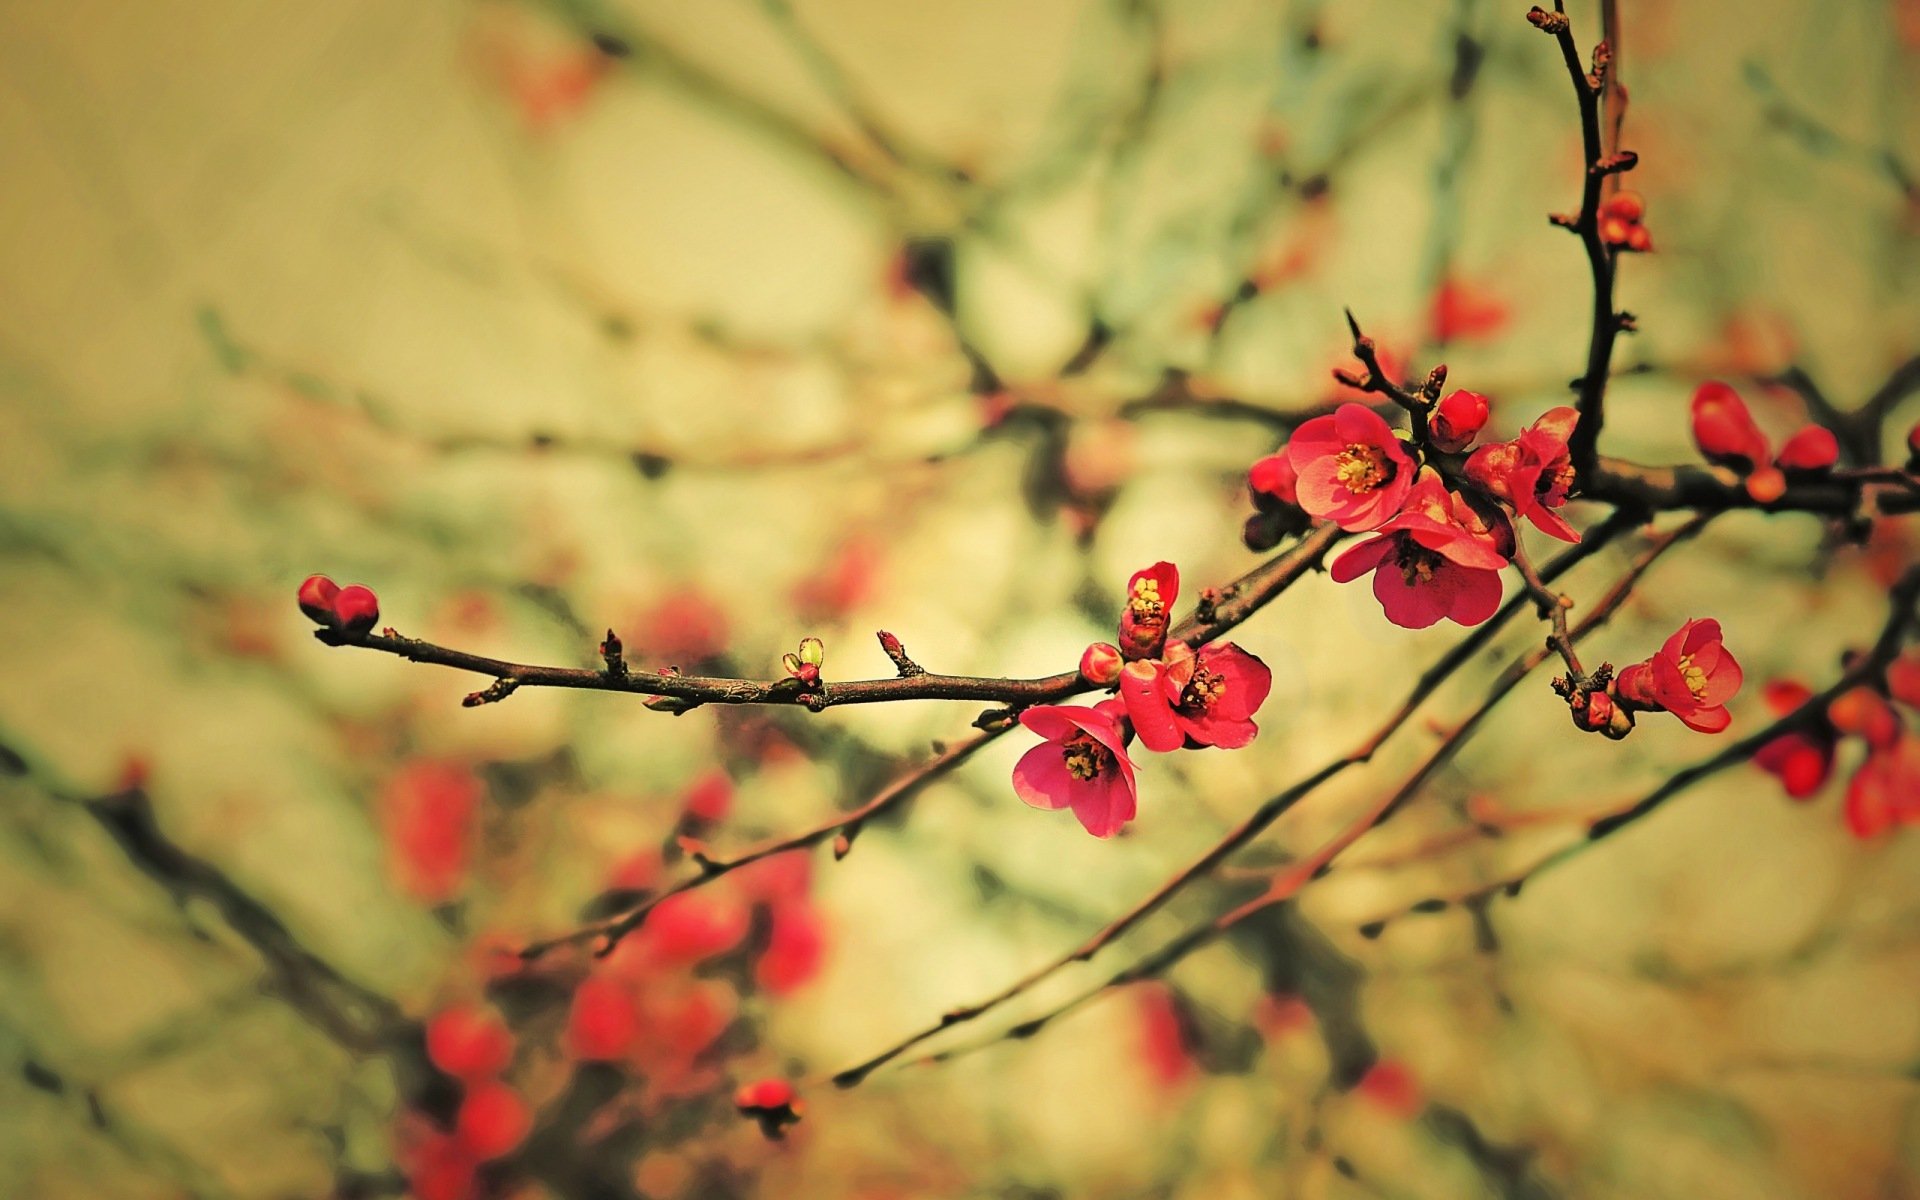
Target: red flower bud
1812 449
316 599
1272 481
468 1043
1100 664
493 1120
1597 714
1865 712
1913 447
1723 429
602 1023
1639 240
1457 420
1614 231
1627 206
1903 679
355 610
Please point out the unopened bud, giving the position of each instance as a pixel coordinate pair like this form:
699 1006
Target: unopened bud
1457 420
355 611
316 598
1812 449
1101 663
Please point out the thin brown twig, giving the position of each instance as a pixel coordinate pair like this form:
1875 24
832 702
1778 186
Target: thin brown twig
1553 609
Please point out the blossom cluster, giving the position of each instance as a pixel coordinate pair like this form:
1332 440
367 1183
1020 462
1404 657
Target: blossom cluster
1171 696
1885 789
1727 436
1443 529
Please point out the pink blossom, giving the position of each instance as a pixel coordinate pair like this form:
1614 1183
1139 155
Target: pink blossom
1150 596
1082 765
1802 760
1886 789
1693 676
1533 472
1440 559
1205 698
1351 468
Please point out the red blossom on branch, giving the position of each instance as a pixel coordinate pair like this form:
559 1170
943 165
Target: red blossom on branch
1430 562
1885 791
1352 469
1802 760
1082 765
1725 432
1196 698
1693 676
1533 473
469 1043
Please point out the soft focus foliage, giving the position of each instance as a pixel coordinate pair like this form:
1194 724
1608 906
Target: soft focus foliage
439 298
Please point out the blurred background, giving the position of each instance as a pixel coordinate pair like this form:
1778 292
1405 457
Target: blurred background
731 323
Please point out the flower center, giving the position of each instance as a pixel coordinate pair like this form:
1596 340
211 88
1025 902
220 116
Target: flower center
1145 603
1361 468
1554 482
1694 677
1202 691
1086 758
1417 563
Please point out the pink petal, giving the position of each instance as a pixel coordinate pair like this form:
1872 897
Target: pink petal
1704 719
1041 777
1476 594
1050 721
1361 559
1410 606
1358 424
1248 681
1552 524
1147 706
1104 805
1217 729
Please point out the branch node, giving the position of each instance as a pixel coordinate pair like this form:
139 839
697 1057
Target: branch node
1615 164
493 693
612 653
1547 22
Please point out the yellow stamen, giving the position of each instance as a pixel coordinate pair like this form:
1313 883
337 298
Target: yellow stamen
1203 691
1693 677
1361 468
1417 563
1145 603
1086 758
